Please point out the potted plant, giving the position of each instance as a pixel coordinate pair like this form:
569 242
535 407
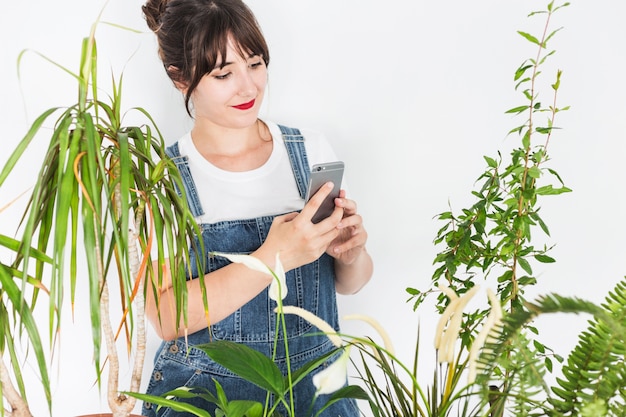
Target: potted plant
105 193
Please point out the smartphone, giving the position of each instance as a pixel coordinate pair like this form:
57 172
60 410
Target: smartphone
320 175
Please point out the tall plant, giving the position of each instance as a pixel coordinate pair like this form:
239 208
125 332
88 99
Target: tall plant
500 350
105 193
494 236
493 239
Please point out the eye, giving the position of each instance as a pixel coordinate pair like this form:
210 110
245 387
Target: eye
222 76
257 64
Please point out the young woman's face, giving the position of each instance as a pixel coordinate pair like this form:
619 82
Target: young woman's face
230 96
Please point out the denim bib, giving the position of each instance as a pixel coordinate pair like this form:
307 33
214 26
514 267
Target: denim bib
310 286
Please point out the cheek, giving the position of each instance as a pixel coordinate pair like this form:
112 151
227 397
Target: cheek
211 97
260 80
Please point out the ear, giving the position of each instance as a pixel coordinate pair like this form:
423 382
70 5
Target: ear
174 74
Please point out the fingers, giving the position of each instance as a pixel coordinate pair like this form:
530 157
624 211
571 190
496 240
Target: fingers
321 206
311 207
348 206
286 217
350 243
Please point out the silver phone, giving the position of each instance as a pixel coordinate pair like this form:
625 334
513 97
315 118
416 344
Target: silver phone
320 175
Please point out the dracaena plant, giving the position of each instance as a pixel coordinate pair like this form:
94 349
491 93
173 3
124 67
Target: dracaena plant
105 193
18 294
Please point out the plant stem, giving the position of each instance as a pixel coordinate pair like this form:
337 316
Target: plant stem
19 408
522 203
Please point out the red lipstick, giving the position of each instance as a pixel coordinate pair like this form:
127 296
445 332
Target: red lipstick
245 106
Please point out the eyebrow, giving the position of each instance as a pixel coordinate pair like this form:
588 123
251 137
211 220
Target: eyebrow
222 65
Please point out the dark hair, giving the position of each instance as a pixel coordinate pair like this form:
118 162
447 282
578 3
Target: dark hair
193 35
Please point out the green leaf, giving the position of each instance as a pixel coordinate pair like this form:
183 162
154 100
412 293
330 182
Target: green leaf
550 190
22 310
544 259
251 365
534 172
529 37
21 147
243 408
521 71
170 403
526 140
351 391
517 110
523 263
491 162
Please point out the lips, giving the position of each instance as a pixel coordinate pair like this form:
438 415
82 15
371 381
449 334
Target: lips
245 106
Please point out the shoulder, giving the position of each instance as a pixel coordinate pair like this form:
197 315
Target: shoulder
314 140
317 146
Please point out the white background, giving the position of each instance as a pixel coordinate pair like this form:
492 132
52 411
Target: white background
411 94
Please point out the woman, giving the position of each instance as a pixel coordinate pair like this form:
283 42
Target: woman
245 182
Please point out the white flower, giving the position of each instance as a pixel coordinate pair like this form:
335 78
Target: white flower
314 320
279 283
494 318
377 326
445 340
334 377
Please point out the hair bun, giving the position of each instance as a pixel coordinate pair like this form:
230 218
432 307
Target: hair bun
152 11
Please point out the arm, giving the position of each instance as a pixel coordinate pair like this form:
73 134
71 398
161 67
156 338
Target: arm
293 235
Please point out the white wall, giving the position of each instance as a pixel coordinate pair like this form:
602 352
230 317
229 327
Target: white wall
411 93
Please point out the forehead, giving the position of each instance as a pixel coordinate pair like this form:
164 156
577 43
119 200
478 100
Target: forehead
230 50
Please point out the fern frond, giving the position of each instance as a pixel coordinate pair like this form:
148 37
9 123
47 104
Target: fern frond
594 375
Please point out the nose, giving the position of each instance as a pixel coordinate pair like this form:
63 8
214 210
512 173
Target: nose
247 87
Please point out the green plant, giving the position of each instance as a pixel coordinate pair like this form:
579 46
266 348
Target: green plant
506 364
108 189
494 236
594 375
260 370
494 240
16 318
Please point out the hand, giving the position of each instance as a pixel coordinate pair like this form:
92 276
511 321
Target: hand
298 240
350 242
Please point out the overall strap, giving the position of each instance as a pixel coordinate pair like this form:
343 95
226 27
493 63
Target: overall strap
182 163
294 142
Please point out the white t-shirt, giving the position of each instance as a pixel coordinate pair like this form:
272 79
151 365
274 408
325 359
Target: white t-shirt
268 190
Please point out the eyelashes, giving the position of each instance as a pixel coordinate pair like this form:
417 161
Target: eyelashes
254 65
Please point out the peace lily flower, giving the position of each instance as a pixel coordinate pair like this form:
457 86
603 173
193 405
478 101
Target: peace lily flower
493 319
335 376
315 321
449 325
279 283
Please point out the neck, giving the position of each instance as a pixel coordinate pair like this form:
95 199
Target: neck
231 149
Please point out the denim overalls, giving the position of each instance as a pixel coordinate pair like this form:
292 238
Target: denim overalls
310 286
